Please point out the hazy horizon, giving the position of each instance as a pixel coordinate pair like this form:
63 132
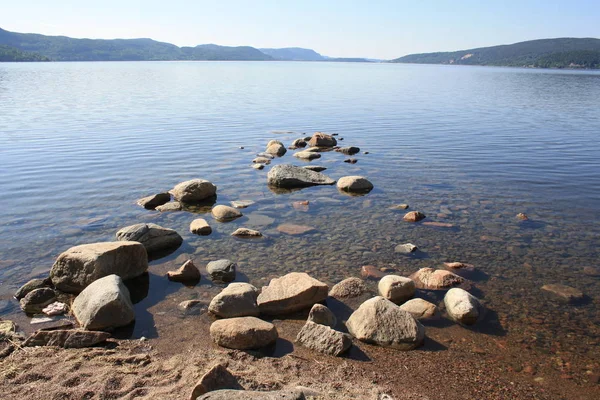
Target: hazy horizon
387 30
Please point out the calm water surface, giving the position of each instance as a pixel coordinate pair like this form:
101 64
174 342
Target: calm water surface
80 142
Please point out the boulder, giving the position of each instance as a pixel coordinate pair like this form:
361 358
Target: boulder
246 233
225 213
323 339
307 155
351 150
172 206
68 339
462 306
565 292
421 309
292 292
316 168
199 226
354 184
154 237
32 285
194 191
428 278
221 270
36 300
217 378
104 304
320 139
227 394
291 176
396 289
236 300
381 322
151 202
413 216
319 314
406 248
243 333
348 288
81 265
186 273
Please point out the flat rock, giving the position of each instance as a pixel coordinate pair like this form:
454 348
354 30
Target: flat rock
243 333
292 292
200 226
462 306
323 339
217 378
32 285
348 288
438 224
258 166
396 289
68 339
413 216
406 248
421 309
154 237
253 395
262 161
36 300
151 202
320 314
81 265
188 272
349 151
221 270
236 300
371 272
316 168
307 155
459 266
276 149
320 139
193 191
354 184
292 229
171 206
428 278
291 176
381 322
104 304
225 213
301 205
246 233
241 203
399 207
192 307
565 292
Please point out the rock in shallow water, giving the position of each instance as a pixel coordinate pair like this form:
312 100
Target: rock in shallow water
246 233
413 216
186 273
292 292
236 300
355 183
406 248
193 191
320 139
291 176
565 292
243 333
32 285
199 226
307 155
421 309
225 213
292 229
323 339
348 288
462 306
428 278
396 289
172 206
221 270
151 202
36 300
154 237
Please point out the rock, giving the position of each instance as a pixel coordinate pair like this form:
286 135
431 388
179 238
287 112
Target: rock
314 149
186 273
262 161
172 206
323 339
81 265
236 300
396 289
322 140
301 205
421 309
406 248
348 150
291 176
277 149
354 184
266 155
192 307
227 394
194 191
154 237
462 307
69 339
199 226
428 278
246 233
56 308
351 160
316 168
438 224
32 285
36 300
381 322
522 217
348 288
371 272
273 142
241 203
104 304
218 377
399 207
221 270
565 292
413 216
460 266
589 271
319 314
291 229
243 333
225 213
299 143
307 155
151 202
258 166
51 323
292 292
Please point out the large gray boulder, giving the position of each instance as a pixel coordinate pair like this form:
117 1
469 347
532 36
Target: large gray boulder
154 237
236 300
323 339
381 322
462 306
291 176
193 191
104 304
243 333
292 292
81 265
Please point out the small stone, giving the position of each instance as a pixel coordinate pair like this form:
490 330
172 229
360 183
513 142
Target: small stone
428 278
258 166
371 272
31 285
354 184
225 213
351 160
151 202
565 292
307 155
218 377
301 205
172 206
421 309
243 333
397 289
399 207
192 307
262 161
246 233
323 339
221 270
348 288
186 273
292 229
406 248
522 217
462 306
348 150
36 300
460 266
319 314
200 226
56 308
238 299
242 203
68 339
413 216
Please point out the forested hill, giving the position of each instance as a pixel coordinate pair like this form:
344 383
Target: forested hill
543 53
11 54
62 48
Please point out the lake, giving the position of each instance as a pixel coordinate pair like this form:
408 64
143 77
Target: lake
468 146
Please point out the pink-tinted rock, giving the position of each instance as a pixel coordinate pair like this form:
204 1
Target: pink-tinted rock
428 278
292 229
413 216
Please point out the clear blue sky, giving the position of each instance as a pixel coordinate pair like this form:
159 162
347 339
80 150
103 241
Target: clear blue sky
376 29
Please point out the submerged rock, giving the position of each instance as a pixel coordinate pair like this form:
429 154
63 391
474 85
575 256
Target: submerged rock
348 288
292 292
154 237
371 272
200 226
406 248
320 139
413 216
320 314
421 309
221 270
151 202
36 300
428 278
225 213
186 273
462 306
246 233
262 161
397 289
291 176
172 206
354 184
241 203
193 191
243 333
323 339
68 339
236 300
292 229
307 155
565 292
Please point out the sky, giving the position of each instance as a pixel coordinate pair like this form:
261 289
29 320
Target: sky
382 29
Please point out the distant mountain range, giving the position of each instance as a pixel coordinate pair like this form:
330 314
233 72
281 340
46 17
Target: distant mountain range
543 53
